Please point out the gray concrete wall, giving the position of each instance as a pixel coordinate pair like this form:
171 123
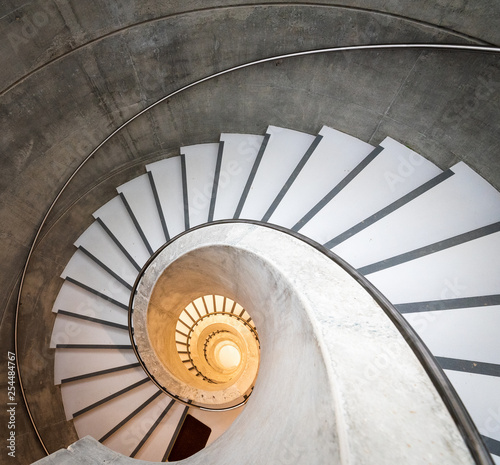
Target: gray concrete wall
37 32
73 71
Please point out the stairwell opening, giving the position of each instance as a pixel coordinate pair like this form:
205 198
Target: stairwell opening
228 356
216 340
198 345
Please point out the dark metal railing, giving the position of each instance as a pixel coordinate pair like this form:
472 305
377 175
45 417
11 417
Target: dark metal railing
191 329
196 322
439 379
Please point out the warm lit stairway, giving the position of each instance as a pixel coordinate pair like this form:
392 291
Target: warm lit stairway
428 239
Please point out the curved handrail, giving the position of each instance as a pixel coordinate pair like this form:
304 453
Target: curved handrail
133 293
436 374
199 320
423 46
232 315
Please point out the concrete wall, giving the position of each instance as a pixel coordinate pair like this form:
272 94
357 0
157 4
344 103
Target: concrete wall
74 71
319 397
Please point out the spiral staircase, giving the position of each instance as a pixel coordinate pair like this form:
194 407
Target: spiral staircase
427 239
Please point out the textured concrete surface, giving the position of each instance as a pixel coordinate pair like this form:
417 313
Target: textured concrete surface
73 71
320 395
36 32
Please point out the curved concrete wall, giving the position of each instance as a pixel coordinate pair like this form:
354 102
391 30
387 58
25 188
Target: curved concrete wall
171 282
40 31
319 397
72 72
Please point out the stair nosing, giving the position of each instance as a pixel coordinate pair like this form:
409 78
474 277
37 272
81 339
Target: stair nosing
337 189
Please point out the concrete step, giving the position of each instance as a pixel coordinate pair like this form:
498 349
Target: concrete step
280 153
201 162
134 434
116 218
96 240
392 173
320 170
238 157
77 363
471 333
141 199
155 447
167 178
98 421
77 300
460 203
87 331
426 239
85 270
477 392
465 270
78 395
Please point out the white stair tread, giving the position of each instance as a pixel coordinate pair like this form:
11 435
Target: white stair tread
219 303
70 330
155 447
283 152
127 438
115 216
206 303
98 243
80 394
201 161
396 171
238 158
97 422
167 175
69 363
72 298
471 333
86 271
459 204
334 157
466 270
140 197
481 396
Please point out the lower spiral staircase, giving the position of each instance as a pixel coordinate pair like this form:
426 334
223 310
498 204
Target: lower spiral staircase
428 239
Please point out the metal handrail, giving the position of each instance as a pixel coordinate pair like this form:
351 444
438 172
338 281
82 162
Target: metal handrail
133 293
232 315
208 315
423 46
209 338
436 374
192 327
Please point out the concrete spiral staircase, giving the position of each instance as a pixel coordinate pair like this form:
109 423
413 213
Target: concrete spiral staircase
428 239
